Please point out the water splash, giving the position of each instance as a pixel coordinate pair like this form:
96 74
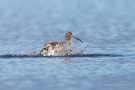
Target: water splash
81 48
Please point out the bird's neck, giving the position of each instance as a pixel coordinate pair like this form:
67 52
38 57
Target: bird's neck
68 41
67 45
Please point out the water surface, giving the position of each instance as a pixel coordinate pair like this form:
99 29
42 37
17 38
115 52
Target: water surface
108 62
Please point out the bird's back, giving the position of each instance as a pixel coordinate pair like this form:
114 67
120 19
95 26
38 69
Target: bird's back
53 48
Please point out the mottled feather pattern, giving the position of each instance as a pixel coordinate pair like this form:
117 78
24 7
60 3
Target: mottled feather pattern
58 48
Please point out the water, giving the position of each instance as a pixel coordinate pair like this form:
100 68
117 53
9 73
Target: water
108 63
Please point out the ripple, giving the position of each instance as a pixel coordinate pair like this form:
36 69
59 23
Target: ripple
38 56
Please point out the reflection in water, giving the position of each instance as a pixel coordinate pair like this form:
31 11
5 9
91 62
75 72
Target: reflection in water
56 60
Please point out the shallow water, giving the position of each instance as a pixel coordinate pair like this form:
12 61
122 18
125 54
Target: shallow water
108 63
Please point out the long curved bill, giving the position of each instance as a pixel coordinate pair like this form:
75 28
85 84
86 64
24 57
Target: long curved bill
77 39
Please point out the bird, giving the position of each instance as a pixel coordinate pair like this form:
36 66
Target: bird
59 48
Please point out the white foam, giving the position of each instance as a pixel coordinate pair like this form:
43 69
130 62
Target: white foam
81 48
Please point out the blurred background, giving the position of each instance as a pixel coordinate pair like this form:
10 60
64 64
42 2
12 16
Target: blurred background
25 25
107 25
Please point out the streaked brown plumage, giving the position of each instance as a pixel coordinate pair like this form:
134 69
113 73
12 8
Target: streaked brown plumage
59 48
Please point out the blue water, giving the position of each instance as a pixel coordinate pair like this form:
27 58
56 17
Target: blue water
108 62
